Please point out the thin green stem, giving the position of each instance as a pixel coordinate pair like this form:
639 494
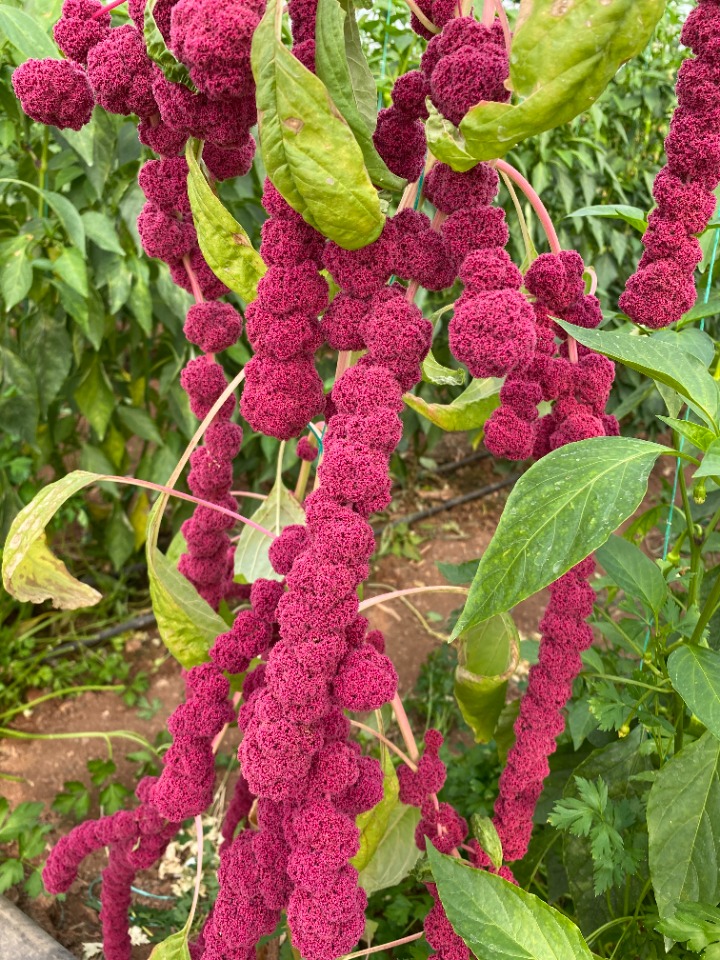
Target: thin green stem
81 734
707 611
625 680
695 555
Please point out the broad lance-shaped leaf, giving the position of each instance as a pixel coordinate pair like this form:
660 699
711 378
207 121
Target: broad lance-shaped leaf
25 33
374 823
634 572
352 90
469 411
223 241
695 674
563 508
158 52
683 817
499 921
563 56
175 947
396 854
434 372
31 572
487 656
188 625
277 512
667 361
309 151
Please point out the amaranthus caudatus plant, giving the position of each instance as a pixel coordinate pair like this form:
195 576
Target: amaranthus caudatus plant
345 249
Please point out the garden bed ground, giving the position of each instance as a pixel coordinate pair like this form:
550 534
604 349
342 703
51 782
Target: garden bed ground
454 536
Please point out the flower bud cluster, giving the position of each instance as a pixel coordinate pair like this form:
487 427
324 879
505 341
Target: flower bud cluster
283 391
579 391
663 287
136 840
464 64
564 635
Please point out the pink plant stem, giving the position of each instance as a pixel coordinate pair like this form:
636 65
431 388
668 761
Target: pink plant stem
248 493
544 218
107 8
388 743
170 491
194 285
505 24
198 872
405 728
488 14
421 17
383 946
384 597
219 738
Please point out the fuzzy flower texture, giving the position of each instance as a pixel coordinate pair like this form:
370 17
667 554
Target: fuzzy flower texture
663 288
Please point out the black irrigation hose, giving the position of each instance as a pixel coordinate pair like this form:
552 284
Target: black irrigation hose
137 623
449 504
452 465
148 619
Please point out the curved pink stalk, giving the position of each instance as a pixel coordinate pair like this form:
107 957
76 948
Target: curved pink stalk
405 728
383 946
428 24
488 14
388 743
248 493
505 24
535 202
198 873
544 218
194 285
107 8
384 597
170 491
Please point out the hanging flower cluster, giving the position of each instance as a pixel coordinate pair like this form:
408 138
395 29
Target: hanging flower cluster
663 287
136 840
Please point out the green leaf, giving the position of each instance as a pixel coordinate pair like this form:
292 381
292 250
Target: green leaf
158 52
140 423
666 361
696 433
95 398
26 34
102 231
634 572
615 211
445 141
683 818
469 411
352 92
119 538
499 921
48 348
174 948
11 872
374 823
223 241
697 924
30 571
187 624
434 372
23 818
66 212
699 312
458 573
563 57
488 653
396 853
308 149
710 466
561 510
16 273
277 512
695 674
71 267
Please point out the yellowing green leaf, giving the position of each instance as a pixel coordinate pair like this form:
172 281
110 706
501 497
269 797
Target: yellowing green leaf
308 149
280 510
469 411
396 853
187 624
223 241
175 947
30 570
374 823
